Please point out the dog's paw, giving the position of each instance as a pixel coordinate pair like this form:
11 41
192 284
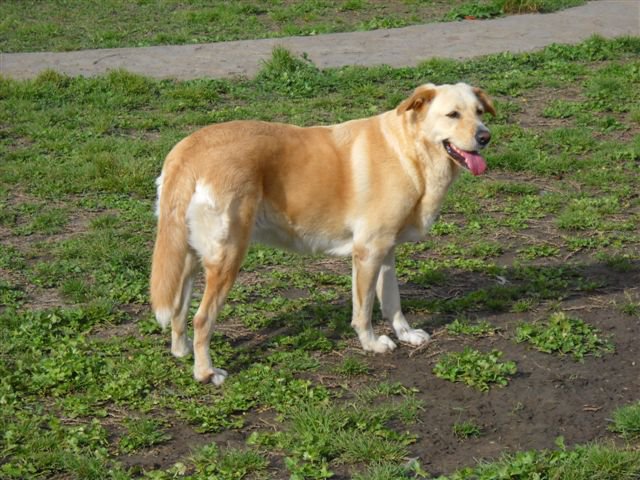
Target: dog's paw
181 347
382 344
217 376
414 337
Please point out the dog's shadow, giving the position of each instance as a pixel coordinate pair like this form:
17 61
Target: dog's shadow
433 306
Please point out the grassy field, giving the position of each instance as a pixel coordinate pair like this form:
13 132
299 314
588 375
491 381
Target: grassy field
59 25
529 284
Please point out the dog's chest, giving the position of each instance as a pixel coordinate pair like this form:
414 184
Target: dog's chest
417 231
427 209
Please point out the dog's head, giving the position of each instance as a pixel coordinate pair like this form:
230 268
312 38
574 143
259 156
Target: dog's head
450 118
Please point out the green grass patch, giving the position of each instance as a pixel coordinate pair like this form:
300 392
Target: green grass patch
464 327
212 462
626 421
144 432
496 8
475 369
466 429
319 434
597 461
74 25
565 335
352 367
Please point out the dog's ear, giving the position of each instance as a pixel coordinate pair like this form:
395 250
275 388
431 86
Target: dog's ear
486 102
419 99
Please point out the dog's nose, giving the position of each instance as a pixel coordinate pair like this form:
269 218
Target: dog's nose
483 137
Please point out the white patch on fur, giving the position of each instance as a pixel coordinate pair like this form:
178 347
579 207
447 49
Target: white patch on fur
163 317
415 337
180 345
208 222
381 344
159 193
412 336
219 376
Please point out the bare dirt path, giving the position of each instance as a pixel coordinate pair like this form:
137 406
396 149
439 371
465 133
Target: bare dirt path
401 47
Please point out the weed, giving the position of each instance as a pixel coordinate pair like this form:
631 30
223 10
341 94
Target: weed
10 295
626 421
539 251
390 471
143 432
260 384
352 367
630 306
463 327
466 429
211 462
321 433
290 75
523 305
310 339
596 461
474 368
496 8
565 335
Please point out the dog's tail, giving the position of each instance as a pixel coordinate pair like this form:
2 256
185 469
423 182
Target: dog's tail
175 189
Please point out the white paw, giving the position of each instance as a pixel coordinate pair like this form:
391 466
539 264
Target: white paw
413 337
217 376
382 344
181 347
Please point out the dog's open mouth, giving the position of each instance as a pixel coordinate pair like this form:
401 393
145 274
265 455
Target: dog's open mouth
472 161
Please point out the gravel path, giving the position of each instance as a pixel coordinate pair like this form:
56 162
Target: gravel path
398 47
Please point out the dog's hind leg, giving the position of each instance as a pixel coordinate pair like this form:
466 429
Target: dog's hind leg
220 274
366 265
220 231
389 298
180 343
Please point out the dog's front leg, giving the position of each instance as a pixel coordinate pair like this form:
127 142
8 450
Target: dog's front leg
366 265
389 298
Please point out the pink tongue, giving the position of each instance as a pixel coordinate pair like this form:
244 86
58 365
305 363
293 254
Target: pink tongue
475 162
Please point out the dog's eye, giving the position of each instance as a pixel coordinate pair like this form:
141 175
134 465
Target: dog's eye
479 111
453 114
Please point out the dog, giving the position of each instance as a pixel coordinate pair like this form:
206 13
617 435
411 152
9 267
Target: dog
357 188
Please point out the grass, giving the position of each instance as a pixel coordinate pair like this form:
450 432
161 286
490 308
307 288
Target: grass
355 433
463 327
596 461
86 378
474 368
466 429
564 335
73 25
142 433
626 421
497 8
